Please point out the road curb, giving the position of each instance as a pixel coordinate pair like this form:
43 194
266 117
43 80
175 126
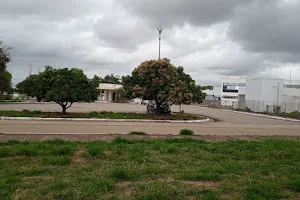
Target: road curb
262 115
103 120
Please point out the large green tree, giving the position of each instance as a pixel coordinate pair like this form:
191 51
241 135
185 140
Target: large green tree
111 78
162 82
5 76
63 86
29 86
157 80
196 90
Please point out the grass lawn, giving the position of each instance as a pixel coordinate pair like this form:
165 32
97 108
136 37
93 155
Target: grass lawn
100 115
291 115
150 169
11 101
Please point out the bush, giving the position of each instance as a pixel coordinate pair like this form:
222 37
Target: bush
137 133
186 132
247 109
93 114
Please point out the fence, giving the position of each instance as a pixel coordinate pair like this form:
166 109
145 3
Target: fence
258 106
271 106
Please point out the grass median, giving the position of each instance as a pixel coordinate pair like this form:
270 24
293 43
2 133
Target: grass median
150 169
100 115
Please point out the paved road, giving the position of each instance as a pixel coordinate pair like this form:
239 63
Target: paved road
84 127
231 123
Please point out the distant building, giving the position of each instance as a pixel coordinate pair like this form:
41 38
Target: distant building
230 90
261 94
108 92
271 95
211 97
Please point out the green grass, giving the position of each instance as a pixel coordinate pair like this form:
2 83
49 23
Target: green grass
186 132
58 160
137 133
294 114
100 115
163 169
11 101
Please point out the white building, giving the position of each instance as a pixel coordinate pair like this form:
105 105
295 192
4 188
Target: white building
271 95
108 91
230 90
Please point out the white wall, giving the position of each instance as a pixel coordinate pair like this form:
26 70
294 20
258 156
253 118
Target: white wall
108 86
230 102
272 90
253 89
261 93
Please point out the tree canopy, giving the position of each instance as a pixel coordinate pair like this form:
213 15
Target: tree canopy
162 82
63 86
5 76
111 78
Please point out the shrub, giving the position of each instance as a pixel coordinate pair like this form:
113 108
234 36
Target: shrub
247 109
93 114
137 133
186 132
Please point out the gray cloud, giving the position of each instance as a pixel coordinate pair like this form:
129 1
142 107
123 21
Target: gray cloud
210 38
177 12
267 26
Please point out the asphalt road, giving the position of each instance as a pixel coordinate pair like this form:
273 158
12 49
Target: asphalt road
228 124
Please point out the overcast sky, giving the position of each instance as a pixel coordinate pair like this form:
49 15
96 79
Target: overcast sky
211 39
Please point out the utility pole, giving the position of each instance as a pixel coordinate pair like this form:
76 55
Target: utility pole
160 28
277 96
290 77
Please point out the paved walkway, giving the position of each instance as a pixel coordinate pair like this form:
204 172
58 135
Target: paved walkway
227 124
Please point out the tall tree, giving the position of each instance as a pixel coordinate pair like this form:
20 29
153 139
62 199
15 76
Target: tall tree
95 81
196 90
111 78
63 86
157 80
28 86
5 76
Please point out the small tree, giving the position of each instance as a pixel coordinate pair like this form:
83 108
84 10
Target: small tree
5 76
63 86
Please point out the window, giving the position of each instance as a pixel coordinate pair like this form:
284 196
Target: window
233 87
229 97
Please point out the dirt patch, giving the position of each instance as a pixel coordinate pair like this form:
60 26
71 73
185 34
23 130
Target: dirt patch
109 137
36 179
203 184
77 157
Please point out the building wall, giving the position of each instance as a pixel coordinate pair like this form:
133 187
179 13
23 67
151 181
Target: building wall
107 90
231 98
265 95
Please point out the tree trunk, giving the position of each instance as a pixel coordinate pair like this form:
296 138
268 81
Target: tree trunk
158 109
64 109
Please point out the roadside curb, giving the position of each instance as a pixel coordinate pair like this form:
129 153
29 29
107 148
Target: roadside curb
262 115
103 120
